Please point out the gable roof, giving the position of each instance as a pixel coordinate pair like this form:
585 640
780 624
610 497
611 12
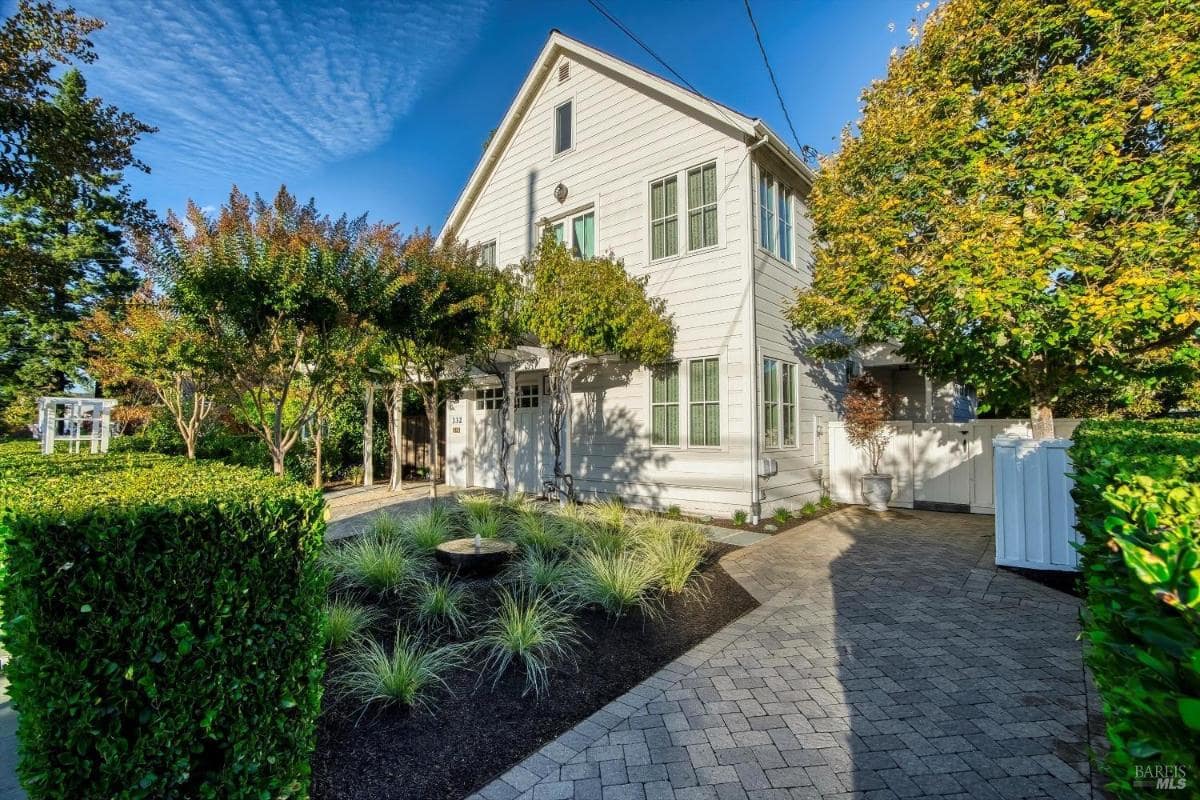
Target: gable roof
557 45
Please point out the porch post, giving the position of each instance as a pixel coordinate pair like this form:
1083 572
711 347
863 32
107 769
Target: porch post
510 433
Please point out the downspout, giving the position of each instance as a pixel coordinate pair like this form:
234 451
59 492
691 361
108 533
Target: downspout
752 338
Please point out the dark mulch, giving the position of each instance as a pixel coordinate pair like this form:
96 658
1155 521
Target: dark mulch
796 520
480 731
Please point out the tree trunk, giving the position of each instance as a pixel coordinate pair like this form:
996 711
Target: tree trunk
190 442
318 478
508 381
1042 419
559 388
369 435
396 433
277 461
431 413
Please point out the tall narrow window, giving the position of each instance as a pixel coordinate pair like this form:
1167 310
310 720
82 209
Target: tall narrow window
583 236
664 405
562 127
704 403
702 206
770 395
766 212
487 253
785 224
788 404
664 218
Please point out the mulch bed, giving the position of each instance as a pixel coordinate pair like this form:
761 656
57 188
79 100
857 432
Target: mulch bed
796 520
480 730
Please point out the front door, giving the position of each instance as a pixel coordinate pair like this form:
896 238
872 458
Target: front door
530 432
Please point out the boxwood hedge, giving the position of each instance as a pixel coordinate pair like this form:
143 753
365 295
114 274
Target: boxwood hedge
1137 493
163 619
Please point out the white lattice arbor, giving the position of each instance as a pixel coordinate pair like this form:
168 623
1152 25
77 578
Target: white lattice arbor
75 420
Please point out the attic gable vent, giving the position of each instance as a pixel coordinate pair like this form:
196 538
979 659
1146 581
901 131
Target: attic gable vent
564 71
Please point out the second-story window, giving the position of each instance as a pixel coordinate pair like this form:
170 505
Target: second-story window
664 218
702 206
766 212
563 140
785 224
487 253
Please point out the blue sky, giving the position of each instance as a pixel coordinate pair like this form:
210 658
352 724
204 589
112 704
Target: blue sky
383 107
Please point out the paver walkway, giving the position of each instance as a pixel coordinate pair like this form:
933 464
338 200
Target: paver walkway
889 659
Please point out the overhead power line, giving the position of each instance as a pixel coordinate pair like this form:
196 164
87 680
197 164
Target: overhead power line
806 151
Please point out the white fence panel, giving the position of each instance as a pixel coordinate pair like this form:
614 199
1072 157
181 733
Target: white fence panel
1035 514
938 465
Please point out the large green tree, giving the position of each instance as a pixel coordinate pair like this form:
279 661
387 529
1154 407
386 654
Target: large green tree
1019 205
63 236
582 308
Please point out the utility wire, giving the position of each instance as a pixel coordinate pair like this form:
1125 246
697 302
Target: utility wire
625 29
806 151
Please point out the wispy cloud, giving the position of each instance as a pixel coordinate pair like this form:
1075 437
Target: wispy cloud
267 87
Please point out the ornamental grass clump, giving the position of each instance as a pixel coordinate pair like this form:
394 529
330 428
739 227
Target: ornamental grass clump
674 555
610 514
534 532
378 565
383 526
423 532
529 631
616 582
408 674
441 604
346 620
542 573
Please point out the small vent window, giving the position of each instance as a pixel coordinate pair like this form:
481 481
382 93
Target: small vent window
564 71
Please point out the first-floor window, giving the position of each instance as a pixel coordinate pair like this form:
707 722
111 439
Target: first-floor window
488 399
528 396
578 234
704 403
787 406
780 383
770 395
664 405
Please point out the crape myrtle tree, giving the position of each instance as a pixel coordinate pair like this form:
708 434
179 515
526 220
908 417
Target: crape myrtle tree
1019 205
273 286
498 353
433 327
580 308
146 341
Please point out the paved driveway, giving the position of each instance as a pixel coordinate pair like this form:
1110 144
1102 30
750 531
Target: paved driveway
889 659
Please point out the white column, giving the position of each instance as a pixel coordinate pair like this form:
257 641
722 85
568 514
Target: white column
105 425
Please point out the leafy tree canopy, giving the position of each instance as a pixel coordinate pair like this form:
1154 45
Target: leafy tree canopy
1020 204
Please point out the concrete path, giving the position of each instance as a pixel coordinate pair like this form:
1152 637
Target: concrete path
349 510
10 789
889 659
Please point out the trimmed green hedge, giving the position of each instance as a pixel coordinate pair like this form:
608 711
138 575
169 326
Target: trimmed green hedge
1138 498
163 619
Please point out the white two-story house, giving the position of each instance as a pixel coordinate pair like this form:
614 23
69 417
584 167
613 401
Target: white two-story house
711 205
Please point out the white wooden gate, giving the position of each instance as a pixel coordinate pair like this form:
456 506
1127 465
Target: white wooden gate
943 466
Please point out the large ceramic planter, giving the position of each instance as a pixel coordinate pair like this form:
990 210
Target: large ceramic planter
877 491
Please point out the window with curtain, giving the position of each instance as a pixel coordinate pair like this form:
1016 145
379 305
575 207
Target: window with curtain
785 225
583 235
704 402
487 254
664 218
788 404
664 405
770 396
558 231
702 206
562 128
766 211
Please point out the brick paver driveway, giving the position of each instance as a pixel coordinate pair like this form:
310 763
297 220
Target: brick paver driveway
889 659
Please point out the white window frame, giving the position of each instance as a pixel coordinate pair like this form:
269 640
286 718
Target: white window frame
677 403
489 398
784 405
665 218
784 223
567 221
554 127
493 245
776 217
704 403
766 212
527 398
715 205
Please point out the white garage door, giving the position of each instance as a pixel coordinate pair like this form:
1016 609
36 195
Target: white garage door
486 447
531 445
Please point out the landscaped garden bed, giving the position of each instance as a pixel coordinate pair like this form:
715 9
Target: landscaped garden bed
492 667
773 521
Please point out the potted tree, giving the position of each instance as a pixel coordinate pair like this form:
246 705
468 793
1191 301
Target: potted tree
868 409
